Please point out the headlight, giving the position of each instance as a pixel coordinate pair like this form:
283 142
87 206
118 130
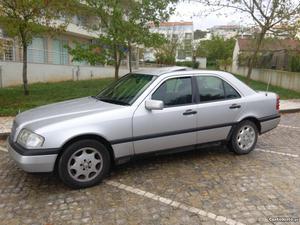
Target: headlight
29 139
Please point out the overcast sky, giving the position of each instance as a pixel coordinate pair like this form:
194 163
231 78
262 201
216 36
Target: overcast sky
195 12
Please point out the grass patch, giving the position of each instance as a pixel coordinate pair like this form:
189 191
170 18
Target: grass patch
282 92
12 99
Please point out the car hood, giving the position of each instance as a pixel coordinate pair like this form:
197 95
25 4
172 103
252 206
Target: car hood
64 110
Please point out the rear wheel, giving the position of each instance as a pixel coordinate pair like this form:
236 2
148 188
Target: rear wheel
84 164
244 138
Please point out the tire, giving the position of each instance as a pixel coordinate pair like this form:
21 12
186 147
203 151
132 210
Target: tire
244 137
84 164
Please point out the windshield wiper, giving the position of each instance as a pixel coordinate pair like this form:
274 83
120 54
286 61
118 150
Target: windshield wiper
114 101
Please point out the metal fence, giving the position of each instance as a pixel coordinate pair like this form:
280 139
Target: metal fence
47 57
11 53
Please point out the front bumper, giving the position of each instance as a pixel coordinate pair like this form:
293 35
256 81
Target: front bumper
32 163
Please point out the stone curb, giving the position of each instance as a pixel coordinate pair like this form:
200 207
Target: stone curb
293 110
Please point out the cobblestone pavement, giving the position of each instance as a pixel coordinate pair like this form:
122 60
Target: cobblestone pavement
207 186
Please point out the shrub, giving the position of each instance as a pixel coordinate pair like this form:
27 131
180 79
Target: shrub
165 59
191 64
294 63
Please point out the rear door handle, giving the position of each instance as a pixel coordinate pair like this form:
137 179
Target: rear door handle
189 112
234 106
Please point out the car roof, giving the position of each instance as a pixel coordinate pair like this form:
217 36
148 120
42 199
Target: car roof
162 70
173 70
176 70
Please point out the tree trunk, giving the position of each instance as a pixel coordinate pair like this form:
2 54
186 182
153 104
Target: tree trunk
117 59
129 56
116 71
24 72
252 60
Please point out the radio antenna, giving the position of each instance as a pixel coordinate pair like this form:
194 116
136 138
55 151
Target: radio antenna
269 82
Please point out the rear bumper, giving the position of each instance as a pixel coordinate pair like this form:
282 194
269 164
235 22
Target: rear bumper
269 124
33 163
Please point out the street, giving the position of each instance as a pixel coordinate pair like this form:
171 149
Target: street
208 186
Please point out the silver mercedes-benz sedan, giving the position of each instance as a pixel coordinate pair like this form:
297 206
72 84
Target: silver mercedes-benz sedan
148 111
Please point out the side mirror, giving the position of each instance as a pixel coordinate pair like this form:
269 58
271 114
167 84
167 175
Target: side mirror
154 104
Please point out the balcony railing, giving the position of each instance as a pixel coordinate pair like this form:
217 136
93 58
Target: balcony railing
15 54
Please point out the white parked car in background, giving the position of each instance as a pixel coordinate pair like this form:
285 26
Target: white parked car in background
147 111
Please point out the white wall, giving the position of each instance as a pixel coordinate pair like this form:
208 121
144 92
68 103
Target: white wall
288 80
235 56
11 73
202 62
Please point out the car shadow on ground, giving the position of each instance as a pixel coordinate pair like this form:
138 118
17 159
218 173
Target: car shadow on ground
146 161
50 182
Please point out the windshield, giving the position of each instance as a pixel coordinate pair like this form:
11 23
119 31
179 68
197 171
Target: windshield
126 90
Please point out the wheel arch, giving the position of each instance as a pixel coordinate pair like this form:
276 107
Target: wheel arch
96 137
250 118
254 120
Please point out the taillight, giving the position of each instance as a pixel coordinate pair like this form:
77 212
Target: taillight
277 102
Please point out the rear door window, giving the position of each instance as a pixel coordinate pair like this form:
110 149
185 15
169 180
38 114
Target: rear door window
215 89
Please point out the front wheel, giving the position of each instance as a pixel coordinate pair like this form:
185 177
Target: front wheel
244 138
84 163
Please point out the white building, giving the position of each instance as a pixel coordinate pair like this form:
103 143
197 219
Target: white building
229 31
48 59
48 49
181 31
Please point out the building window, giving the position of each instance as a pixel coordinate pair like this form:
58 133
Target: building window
175 36
188 28
6 50
181 54
36 51
59 53
188 48
188 35
79 20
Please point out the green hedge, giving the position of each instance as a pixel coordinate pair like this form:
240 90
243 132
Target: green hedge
191 64
294 63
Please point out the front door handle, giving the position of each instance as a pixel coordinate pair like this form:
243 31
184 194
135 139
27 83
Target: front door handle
235 106
189 112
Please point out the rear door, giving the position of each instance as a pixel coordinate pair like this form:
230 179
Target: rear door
172 127
219 107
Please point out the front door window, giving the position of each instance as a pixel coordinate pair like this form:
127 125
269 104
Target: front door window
175 92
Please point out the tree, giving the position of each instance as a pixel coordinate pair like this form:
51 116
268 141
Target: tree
224 63
166 52
198 34
24 19
267 15
123 23
142 36
215 49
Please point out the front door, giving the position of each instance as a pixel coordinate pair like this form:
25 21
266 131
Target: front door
172 127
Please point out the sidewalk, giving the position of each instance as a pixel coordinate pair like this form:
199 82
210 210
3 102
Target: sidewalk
5 126
286 106
289 106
